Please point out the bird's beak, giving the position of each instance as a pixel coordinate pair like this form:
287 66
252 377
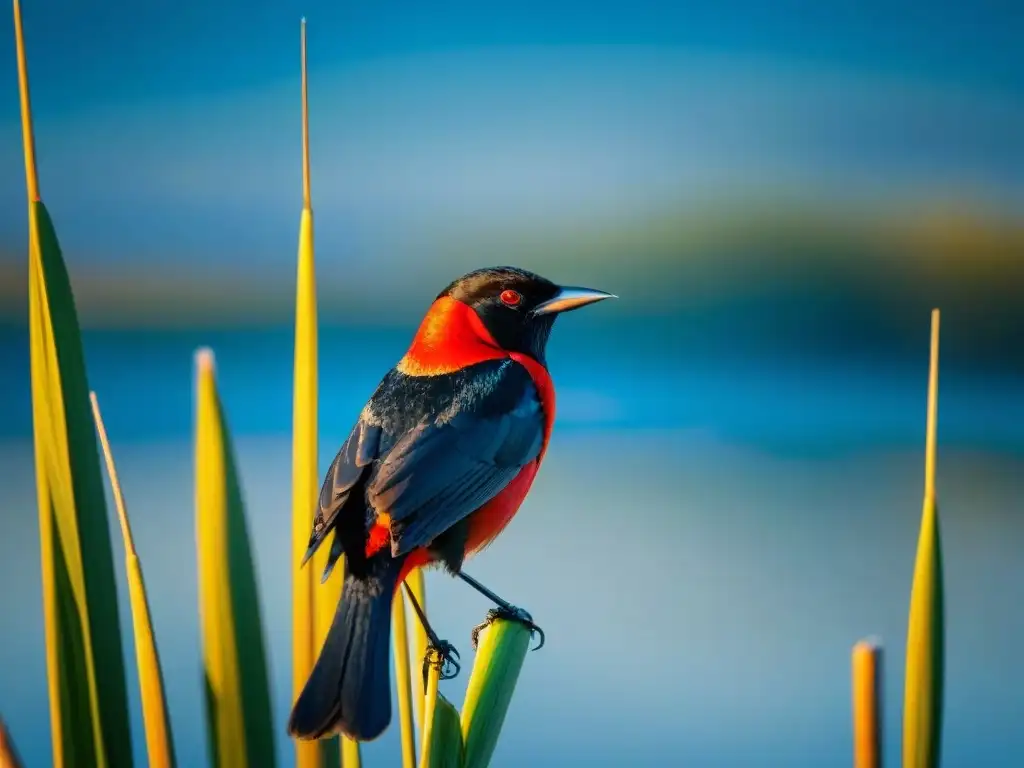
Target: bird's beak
570 298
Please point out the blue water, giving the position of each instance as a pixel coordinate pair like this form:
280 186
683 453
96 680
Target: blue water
793 402
710 535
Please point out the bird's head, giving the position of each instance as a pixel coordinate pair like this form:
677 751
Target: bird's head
517 307
498 307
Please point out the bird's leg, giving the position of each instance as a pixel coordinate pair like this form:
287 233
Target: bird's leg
439 652
505 610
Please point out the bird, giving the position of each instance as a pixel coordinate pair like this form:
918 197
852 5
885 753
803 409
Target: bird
438 463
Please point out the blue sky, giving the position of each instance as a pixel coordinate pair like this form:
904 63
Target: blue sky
152 49
170 134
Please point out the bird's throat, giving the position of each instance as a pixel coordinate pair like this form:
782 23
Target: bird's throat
451 337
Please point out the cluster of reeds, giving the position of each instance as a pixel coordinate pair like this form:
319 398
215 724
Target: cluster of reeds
89 714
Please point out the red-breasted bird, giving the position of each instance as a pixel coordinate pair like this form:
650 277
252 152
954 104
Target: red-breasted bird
438 463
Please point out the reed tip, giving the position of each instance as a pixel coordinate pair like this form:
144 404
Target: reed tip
870 644
204 359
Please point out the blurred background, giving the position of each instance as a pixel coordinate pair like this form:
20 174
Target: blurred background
779 193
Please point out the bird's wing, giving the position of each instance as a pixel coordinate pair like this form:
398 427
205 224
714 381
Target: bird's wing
347 474
447 466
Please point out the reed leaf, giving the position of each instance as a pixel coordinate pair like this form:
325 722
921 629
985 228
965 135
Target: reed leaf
445 750
304 450
239 723
403 684
85 666
159 744
419 642
867 704
442 736
351 757
499 658
8 754
313 604
923 688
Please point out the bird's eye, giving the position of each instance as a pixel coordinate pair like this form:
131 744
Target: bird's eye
511 298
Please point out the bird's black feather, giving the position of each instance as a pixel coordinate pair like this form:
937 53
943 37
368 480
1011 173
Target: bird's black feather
428 451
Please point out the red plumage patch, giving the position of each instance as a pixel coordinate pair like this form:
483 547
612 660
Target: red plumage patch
378 539
545 390
451 337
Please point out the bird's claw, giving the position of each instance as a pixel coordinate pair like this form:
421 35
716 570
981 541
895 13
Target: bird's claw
509 613
441 655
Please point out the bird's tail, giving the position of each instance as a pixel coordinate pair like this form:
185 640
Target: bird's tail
349 689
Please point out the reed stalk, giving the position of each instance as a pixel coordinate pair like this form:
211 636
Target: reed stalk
159 744
867 704
8 754
499 658
441 746
84 659
923 687
240 728
418 644
403 684
313 603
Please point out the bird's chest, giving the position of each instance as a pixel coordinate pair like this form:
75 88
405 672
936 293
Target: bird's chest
490 519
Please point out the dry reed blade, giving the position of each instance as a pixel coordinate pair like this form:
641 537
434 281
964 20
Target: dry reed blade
867 704
8 754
